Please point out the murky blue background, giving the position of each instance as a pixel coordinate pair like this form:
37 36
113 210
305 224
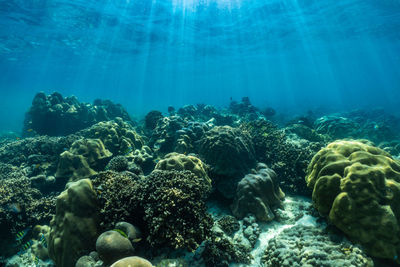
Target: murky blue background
292 55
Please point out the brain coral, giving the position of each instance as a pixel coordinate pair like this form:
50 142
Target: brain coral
357 186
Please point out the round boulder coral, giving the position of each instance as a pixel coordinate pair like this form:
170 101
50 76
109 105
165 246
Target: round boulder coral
230 153
132 262
118 136
112 246
181 162
356 185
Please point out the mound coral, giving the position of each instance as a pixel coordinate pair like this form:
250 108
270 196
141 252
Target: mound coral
356 185
112 246
337 127
83 159
256 193
118 136
164 135
152 118
133 261
230 154
287 156
74 227
55 115
181 162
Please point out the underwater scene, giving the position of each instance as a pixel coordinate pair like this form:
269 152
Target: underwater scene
199 133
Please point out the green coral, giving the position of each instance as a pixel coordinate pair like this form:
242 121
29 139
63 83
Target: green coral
228 224
21 207
117 197
357 186
181 162
168 205
118 136
83 159
220 250
74 227
229 152
286 155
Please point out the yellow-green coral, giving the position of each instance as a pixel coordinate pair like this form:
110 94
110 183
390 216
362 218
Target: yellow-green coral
181 162
357 186
74 227
83 159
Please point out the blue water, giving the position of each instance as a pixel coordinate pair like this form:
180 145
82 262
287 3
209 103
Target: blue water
292 55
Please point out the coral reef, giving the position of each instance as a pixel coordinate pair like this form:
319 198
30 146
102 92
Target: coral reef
83 159
55 115
181 162
117 198
306 245
74 227
112 246
244 109
36 155
21 207
164 136
356 185
133 262
175 211
167 205
151 119
288 157
230 154
256 192
220 250
118 164
118 136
